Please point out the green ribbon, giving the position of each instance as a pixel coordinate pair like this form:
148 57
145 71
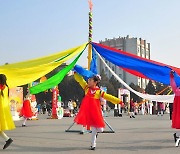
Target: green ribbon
54 80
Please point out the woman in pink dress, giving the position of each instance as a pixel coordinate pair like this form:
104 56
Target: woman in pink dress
176 108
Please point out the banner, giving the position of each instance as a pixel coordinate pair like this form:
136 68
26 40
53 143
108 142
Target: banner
16 101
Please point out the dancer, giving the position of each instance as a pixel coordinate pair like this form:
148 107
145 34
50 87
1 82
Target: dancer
176 109
26 111
90 113
6 121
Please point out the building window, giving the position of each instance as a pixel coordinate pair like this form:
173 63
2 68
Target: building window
142 51
138 50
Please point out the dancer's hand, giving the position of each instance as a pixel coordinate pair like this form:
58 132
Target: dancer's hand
172 73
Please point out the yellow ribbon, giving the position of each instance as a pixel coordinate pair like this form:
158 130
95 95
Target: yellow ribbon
28 71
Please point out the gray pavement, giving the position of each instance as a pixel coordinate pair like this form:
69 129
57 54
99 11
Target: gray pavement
147 134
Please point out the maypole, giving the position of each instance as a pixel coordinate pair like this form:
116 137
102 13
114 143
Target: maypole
86 129
90 34
90 40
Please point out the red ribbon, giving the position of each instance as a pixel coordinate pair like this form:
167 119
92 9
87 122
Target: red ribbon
2 87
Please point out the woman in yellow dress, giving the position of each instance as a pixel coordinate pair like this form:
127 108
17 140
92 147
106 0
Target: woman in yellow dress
6 121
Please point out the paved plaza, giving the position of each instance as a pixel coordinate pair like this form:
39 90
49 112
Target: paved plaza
148 134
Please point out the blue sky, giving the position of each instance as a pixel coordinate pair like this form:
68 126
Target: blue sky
34 28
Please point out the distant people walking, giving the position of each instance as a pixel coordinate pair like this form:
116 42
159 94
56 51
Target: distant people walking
143 108
160 108
170 110
150 106
39 108
132 107
48 107
74 107
136 108
6 121
44 107
70 107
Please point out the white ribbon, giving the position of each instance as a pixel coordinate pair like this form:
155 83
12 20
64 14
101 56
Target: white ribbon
159 98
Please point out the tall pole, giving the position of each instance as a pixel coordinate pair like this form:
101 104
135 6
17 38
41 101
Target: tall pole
90 34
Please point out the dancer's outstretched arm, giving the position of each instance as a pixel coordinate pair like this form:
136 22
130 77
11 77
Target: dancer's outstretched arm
111 98
80 80
172 82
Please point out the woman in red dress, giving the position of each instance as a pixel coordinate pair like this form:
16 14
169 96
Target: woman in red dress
90 113
26 111
176 108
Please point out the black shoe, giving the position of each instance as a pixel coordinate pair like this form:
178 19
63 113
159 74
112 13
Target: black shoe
120 115
133 116
8 142
23 125
130 117
175 137
92 148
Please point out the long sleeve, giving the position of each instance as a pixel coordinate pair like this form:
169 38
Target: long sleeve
80 80
110 98
173 83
